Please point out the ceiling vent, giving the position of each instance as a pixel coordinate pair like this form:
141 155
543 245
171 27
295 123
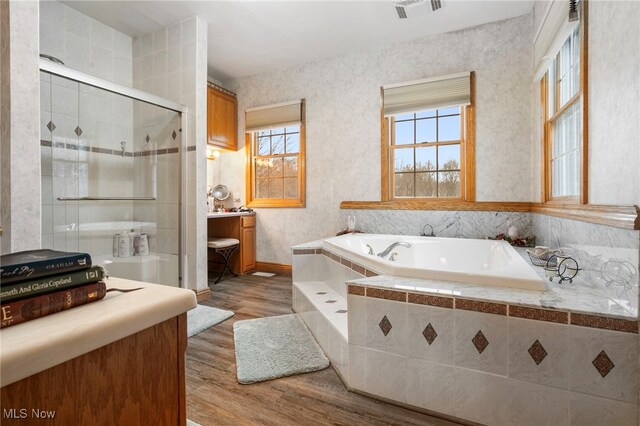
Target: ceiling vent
403 6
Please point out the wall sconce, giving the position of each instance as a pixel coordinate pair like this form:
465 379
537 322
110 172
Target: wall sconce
212 154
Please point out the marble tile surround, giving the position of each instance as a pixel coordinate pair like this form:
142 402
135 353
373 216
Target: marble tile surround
451 224
610 257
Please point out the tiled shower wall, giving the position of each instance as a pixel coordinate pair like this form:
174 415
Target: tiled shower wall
84 44
81 127
172 63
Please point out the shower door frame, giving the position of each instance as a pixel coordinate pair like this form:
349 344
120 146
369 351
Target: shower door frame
139 95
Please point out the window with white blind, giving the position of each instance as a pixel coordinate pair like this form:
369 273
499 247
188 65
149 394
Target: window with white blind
275 141
564 106
427 143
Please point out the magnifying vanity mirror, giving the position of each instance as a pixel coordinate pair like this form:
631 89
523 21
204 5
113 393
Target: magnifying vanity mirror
220 194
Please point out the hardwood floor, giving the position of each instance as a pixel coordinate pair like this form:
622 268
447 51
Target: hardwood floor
214 397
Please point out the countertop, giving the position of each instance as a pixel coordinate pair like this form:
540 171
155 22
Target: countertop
229 214
36 345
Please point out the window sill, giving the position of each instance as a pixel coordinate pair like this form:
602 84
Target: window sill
626 217
440 204
276 204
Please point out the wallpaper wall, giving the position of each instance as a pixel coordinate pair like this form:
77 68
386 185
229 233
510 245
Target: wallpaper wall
343 123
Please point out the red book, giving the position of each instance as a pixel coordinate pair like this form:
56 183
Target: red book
23 310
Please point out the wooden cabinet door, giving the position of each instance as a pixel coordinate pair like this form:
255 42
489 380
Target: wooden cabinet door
248 245
222 119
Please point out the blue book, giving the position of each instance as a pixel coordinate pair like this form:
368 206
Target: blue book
30 264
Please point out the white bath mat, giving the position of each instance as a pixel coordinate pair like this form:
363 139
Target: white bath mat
263 274
274 347
203 317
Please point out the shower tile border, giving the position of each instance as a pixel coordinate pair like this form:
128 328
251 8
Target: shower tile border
100 150
462 303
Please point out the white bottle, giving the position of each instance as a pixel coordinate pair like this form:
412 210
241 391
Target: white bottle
142 248
132 237
116 238
124 244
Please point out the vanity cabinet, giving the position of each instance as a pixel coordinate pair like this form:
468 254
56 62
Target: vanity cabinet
222 118
241 226
248 251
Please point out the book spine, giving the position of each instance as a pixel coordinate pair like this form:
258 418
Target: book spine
49 284
39 306
42 268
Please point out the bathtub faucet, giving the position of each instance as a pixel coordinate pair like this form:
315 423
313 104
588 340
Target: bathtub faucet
386 251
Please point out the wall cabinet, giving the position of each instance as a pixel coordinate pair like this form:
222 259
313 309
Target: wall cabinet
222 118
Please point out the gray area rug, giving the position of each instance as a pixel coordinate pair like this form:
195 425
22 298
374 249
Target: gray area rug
274 347
202 317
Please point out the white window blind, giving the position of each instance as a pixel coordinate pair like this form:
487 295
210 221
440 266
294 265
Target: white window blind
439 92
273 116
551 35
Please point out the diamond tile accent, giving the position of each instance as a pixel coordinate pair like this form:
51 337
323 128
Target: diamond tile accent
385 325
480 342
331 301
51 126
147 138
78 131
537 352
321 292
429 333
341 311
173 135
603 364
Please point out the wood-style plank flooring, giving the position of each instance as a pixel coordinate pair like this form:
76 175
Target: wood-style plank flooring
214 397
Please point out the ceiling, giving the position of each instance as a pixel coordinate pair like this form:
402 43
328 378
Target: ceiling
252 37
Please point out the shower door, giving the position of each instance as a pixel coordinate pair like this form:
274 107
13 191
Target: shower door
111 179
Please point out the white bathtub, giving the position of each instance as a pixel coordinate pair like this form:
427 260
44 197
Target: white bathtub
483 262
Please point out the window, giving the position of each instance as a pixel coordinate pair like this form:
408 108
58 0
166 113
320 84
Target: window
427 143
564 135
425 152
276 169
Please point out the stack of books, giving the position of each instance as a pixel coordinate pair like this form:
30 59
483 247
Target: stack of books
36 283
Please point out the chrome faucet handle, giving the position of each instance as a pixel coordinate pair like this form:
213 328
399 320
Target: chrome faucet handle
393 256
370 250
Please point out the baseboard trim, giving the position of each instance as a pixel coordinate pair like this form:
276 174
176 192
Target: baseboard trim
276 268
203 294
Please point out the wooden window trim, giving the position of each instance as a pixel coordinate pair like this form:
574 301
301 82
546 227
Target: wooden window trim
467 158
547 125
300 201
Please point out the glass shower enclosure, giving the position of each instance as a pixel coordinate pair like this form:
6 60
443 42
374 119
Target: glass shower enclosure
111 167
